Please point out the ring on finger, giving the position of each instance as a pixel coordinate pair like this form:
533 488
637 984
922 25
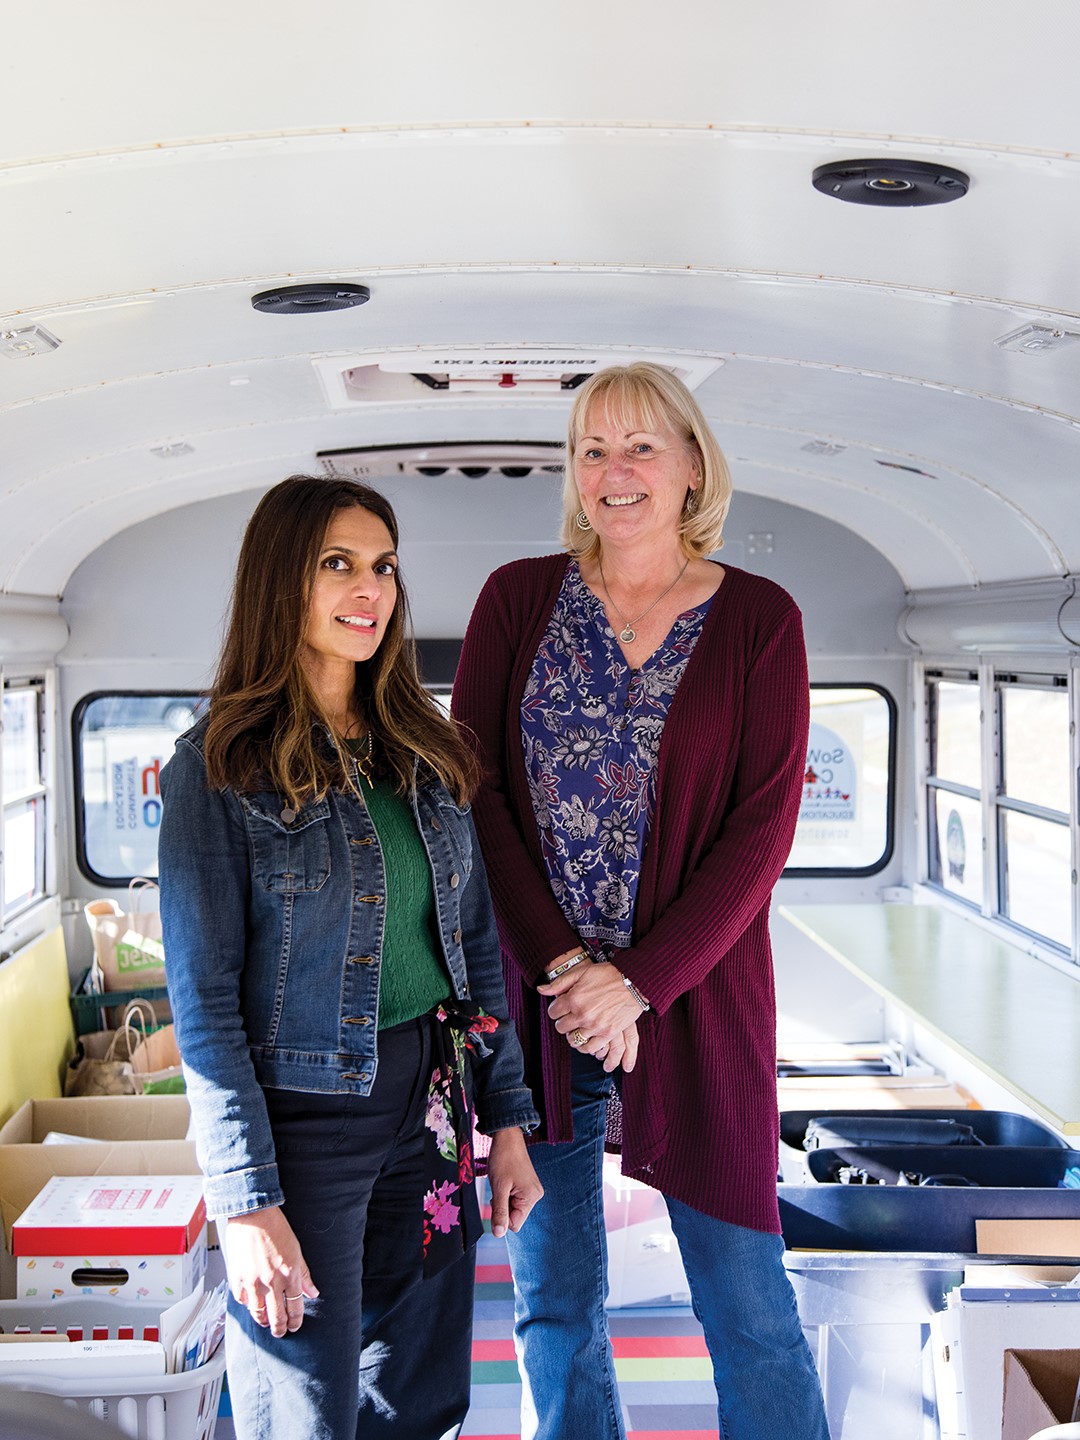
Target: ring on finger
295 1297
577 1037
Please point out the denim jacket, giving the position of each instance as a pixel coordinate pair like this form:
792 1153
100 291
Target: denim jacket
273 930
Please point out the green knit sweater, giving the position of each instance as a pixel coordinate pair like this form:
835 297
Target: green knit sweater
412 978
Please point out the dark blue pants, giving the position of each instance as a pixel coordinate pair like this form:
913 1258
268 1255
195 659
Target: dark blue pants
382 1352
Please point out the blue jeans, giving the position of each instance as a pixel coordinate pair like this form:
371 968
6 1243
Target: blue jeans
381 1353
766 1384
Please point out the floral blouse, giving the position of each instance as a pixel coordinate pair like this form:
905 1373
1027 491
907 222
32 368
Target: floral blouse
591 728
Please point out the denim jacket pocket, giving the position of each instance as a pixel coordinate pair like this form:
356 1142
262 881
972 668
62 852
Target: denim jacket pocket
455 821
291 849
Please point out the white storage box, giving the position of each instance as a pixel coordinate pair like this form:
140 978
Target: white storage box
132 1237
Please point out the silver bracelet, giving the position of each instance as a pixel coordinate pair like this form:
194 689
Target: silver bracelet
636 994
569 964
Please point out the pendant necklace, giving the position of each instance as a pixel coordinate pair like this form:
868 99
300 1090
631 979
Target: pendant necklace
364 760
628 634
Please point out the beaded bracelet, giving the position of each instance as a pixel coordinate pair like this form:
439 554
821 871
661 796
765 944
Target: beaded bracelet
636 993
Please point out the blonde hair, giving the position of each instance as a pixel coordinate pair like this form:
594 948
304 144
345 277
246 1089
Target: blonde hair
647 395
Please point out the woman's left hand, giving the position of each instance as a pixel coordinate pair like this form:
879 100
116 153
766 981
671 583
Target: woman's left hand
591 1006
515 1187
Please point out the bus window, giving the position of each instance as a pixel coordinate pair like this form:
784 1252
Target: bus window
954 809
845 819
23 789
120 742
1033 803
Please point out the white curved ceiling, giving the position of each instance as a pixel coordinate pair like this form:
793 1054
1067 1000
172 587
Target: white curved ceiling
614 175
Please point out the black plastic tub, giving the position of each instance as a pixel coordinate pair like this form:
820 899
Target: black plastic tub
911 1218
992 1127
1009 1166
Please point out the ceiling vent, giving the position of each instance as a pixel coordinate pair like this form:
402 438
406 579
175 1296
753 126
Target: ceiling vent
1036 339
310 299
464 373
514 459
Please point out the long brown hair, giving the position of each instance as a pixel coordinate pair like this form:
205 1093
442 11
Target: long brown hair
266 724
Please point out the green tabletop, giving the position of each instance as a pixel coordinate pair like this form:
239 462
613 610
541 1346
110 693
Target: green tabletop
1015 1017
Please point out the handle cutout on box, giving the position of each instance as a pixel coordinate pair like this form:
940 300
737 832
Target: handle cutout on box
102 1276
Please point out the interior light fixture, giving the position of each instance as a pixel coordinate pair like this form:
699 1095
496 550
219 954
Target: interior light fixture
890 182
1036 339
27 341
310 299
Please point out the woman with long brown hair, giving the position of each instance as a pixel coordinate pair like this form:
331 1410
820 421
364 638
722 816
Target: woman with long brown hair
334 973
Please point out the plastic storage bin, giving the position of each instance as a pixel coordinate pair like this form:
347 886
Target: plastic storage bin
870 1264
158 1407
1024 1166
644 1264
993 1127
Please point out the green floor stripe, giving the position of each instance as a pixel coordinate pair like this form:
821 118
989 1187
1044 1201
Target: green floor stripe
667 1367
495 1290
494 1372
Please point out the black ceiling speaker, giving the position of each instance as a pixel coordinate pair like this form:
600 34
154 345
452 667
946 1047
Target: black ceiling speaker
890 182
310 299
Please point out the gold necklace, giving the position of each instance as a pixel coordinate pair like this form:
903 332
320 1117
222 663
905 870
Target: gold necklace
628 634
364 762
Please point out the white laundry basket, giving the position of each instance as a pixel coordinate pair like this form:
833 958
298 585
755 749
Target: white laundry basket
154 1407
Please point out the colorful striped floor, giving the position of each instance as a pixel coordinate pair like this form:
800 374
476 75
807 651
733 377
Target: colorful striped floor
664 1373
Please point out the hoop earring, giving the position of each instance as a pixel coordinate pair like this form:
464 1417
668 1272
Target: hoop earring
691 504
581 520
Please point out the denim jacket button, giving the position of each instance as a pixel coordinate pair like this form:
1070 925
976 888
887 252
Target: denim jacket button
455 880
288 815
457 937
435 824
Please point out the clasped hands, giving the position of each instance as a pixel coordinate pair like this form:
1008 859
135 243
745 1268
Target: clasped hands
594 1010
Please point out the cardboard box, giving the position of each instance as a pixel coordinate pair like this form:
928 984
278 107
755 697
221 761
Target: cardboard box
970 1338
144 1135
1028 1237
129 1237
132 1214
1040 1390
126 1135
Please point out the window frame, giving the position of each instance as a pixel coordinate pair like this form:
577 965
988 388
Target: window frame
994 678
932 783
855 872
1005 804
82 860
42 683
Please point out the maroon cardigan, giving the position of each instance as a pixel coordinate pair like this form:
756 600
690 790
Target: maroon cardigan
699 1110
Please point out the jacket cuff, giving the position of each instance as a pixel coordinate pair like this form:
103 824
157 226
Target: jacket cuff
507 1110
241 1191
